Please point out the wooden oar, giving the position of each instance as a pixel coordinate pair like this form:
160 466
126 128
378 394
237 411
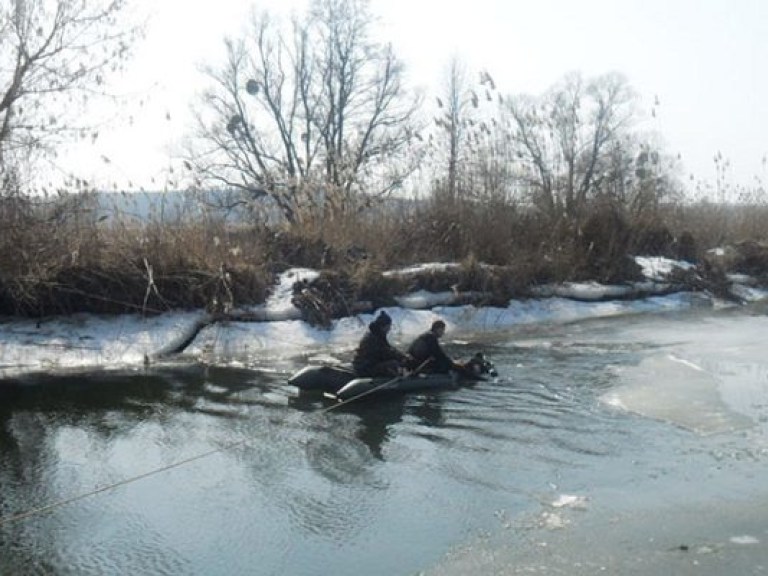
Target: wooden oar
384 385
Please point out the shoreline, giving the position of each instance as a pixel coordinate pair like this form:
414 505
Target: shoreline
279 329
133 342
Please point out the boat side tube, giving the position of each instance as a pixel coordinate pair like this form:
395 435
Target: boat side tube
321 378
364 386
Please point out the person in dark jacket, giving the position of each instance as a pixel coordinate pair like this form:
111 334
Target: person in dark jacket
427 353
375 356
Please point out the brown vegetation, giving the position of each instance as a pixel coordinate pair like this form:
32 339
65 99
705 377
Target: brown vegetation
309 129
60 257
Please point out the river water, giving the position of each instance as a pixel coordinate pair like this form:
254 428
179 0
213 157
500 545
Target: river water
630 445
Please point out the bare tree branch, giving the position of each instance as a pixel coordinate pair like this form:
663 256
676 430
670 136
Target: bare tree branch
51 53
316 114
568 137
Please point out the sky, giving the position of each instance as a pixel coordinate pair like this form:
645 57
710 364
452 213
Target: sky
701 59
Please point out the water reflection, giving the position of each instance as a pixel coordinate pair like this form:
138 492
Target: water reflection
290 484
47 421
373 420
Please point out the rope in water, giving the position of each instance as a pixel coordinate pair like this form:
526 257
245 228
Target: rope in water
414 372
60 503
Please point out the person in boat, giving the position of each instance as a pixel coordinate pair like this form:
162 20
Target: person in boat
375 356
428 355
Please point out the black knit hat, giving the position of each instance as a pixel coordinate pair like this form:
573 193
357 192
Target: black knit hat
383 319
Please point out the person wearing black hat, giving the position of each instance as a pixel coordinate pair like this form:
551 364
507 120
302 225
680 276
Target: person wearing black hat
375 356
427 352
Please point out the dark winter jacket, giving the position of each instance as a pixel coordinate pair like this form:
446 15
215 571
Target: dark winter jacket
427 347
373 350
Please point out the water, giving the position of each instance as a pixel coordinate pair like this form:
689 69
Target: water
591 434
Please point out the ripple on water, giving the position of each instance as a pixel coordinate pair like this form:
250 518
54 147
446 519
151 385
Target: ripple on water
383 487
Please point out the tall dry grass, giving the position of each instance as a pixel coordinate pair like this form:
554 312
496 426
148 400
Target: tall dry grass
62 255
65 254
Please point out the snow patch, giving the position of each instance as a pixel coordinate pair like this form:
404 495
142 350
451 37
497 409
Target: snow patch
744 540
129 341
658 268
570 501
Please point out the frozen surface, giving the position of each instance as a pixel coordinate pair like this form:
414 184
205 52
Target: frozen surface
711 377
85 341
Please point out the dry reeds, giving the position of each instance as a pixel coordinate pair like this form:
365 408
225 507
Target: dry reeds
70 254
66 255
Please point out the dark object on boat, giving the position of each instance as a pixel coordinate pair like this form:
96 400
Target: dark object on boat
478 366
327 379
344 383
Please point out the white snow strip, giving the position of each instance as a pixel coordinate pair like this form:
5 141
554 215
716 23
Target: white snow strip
90 341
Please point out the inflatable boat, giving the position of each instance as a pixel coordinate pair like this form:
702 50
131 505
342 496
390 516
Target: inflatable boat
342 382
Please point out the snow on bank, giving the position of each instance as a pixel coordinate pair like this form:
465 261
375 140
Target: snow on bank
90 342
85 340
657 269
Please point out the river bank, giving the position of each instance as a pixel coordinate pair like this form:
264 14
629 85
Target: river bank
277 331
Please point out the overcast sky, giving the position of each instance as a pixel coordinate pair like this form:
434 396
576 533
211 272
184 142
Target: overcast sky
703 59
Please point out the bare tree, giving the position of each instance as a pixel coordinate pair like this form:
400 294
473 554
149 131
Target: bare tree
639 176
565 140
54 55
473 156
311 116
454 119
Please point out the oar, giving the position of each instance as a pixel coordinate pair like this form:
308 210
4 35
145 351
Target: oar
394 380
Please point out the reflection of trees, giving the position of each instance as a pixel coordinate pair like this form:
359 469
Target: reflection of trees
321 469
10 458
23 451
38 416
